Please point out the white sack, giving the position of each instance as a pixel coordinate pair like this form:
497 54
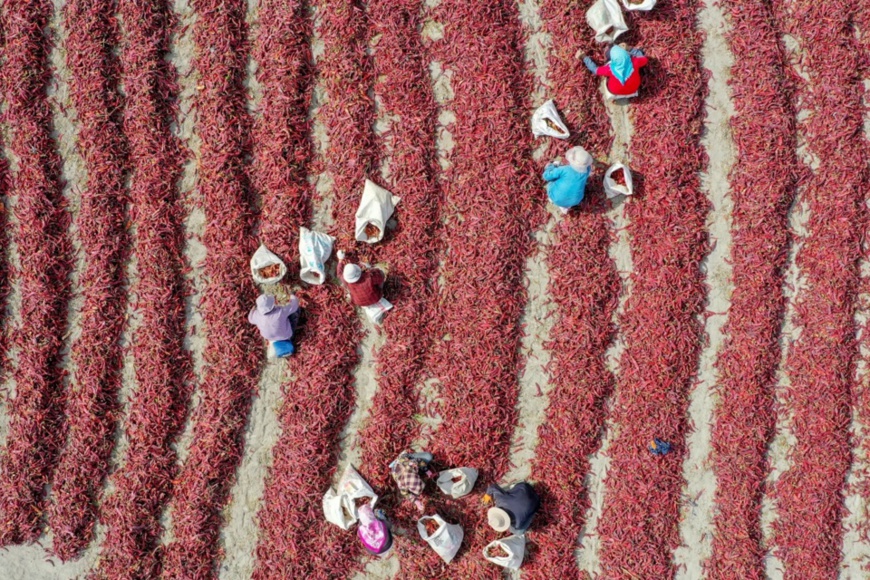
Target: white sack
644 5
605 18
263 258
548 112
611 188
515 546
314 251
445 541
338 510
376 311
339 506
375 207
467 475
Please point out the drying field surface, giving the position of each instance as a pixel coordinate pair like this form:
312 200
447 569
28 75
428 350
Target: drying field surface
148 147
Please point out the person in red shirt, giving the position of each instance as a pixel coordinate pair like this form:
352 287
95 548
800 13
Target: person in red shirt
622 71
366 287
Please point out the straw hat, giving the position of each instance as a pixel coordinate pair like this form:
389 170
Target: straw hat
498 519
351 273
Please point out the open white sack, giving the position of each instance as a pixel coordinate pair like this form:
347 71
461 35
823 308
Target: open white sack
445 541
314 251
263 258
375 208
546 121
611 188
644 5
467 477
515 546
605 18
339 506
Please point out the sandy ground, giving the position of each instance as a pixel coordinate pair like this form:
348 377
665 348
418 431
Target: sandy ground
239 535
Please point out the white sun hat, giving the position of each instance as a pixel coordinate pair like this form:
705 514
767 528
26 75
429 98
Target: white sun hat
351 273
498 519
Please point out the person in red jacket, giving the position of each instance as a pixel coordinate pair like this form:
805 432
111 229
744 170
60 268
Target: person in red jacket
366 287
622 71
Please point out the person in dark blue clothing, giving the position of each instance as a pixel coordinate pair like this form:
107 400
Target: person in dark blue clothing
514 507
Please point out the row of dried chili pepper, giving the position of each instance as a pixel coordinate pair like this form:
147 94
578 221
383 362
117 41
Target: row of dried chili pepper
91 405
493 204
156 411
295 541
584 287
406 96
820 363
661 323
763 133
36 421
233 352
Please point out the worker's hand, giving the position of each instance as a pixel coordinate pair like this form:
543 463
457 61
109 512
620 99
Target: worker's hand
340 254
579 55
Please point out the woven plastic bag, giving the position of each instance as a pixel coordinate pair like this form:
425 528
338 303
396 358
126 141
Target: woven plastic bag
465 478
605 18
338 509
339 504
611 187
546 121
445 540
263 258
644 5
513 546
375 209
376 311
314 251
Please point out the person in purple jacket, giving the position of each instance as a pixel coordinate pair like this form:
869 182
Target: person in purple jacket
276 323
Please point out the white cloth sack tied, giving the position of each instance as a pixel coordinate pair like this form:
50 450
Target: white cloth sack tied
514 546
376 311
644 5
314 251
339 505
445 541
605 18
611 187
263 258
375 208
546 121
467 477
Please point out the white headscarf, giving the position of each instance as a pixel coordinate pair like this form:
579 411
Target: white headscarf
351 273
578 158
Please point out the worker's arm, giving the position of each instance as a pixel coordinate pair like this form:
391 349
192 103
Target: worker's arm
339 269
590 64
639 61
604 71
377 277
251 315
553 172
292 307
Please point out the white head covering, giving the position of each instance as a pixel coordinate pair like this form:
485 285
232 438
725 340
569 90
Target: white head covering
351 273
265 303
498 519
578 158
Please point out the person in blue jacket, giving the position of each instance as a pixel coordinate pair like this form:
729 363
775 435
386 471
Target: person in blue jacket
566 184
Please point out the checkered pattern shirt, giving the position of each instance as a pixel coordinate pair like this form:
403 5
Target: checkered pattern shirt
406 472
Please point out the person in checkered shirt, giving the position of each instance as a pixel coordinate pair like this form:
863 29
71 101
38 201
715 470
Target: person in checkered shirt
407 470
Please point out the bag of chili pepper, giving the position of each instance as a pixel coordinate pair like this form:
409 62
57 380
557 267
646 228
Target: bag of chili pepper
605 18
645 5
457 482
266 267
444 538
314 251
375 209
506 552
546 121
617 181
